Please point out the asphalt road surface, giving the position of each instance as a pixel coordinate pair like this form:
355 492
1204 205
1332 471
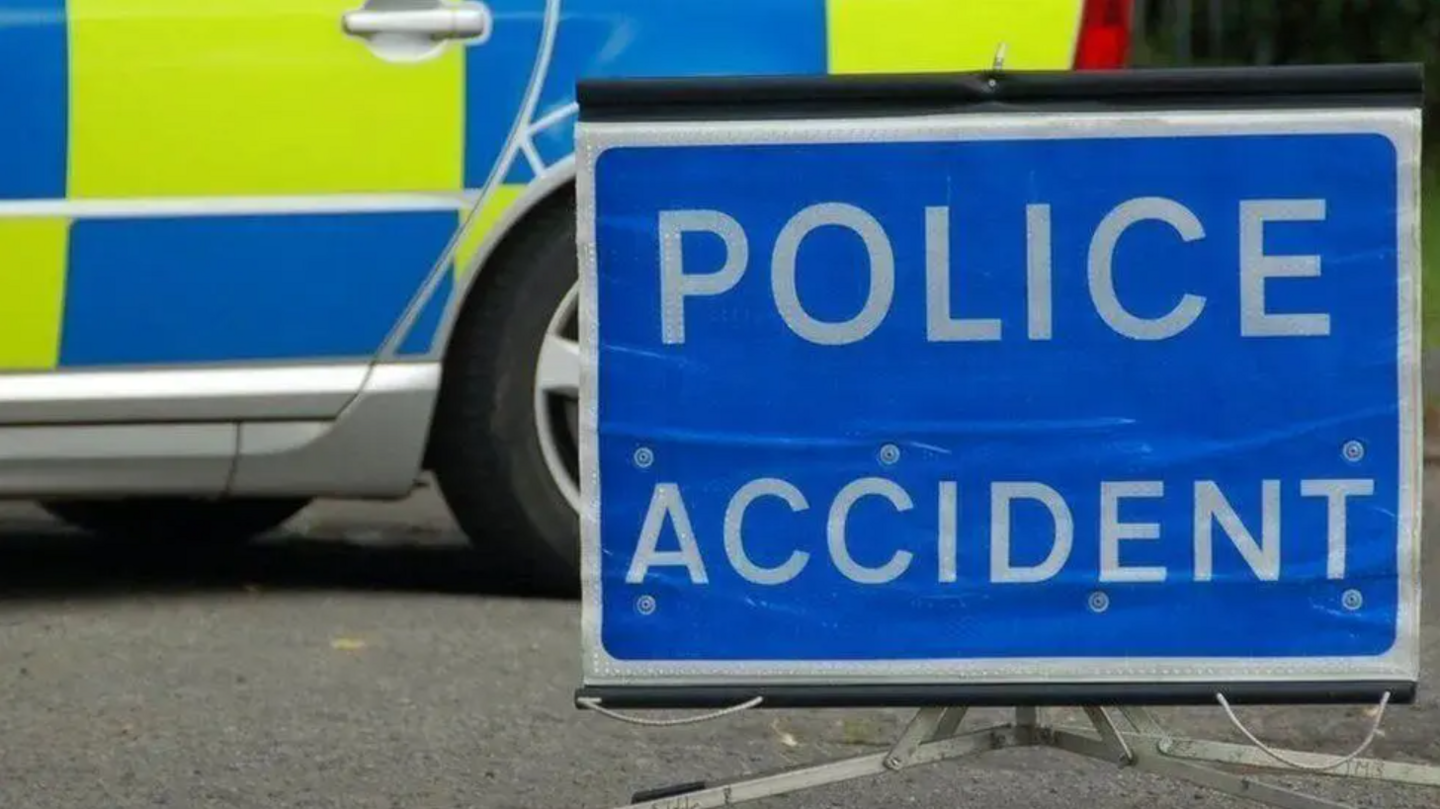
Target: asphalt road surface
368 659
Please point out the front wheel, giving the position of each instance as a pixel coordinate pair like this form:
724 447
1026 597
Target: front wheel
176 520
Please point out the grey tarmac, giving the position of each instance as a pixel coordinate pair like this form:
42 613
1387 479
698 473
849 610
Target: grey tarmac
367 659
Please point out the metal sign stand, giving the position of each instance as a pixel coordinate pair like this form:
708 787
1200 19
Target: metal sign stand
934 736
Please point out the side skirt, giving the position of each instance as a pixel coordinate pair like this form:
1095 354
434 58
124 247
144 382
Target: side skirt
371 447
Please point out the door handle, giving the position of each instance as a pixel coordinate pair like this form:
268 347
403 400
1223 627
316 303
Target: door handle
469 21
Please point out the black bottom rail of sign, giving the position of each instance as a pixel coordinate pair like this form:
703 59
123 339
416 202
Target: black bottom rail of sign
645 697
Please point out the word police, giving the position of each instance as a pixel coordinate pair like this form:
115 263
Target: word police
669 517
1256 269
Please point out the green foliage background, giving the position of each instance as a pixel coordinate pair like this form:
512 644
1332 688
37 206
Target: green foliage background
1290 32
1279 32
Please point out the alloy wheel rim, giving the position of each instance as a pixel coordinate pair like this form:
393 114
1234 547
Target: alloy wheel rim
557 398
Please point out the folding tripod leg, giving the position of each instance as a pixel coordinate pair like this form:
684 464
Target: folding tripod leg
815 775
1145 755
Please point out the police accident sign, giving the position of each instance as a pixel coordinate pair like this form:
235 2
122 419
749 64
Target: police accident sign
1125 396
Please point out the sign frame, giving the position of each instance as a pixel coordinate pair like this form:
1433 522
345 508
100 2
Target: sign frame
1385 98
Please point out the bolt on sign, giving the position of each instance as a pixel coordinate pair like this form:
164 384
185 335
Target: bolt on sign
1068 381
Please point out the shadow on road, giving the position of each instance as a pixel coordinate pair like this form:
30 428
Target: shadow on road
42 564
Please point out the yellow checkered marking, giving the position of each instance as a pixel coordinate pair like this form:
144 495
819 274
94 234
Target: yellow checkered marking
32 266
252 97
905 36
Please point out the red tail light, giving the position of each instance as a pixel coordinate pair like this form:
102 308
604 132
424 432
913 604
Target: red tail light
1104 41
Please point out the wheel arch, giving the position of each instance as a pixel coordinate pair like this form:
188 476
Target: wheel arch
555 187
549 189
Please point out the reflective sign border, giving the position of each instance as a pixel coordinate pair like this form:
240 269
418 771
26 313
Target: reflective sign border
1383 100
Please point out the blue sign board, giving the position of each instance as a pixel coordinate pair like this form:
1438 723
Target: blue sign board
988 398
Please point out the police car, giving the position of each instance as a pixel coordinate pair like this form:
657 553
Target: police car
262 251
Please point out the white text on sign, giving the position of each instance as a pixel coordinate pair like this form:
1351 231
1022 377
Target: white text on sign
668 516
1255 267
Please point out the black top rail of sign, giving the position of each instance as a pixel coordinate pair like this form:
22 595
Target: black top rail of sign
762 97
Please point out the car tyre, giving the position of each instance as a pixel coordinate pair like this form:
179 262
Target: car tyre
176 520
507 473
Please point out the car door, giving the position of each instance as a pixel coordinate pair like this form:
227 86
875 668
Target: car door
217 211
